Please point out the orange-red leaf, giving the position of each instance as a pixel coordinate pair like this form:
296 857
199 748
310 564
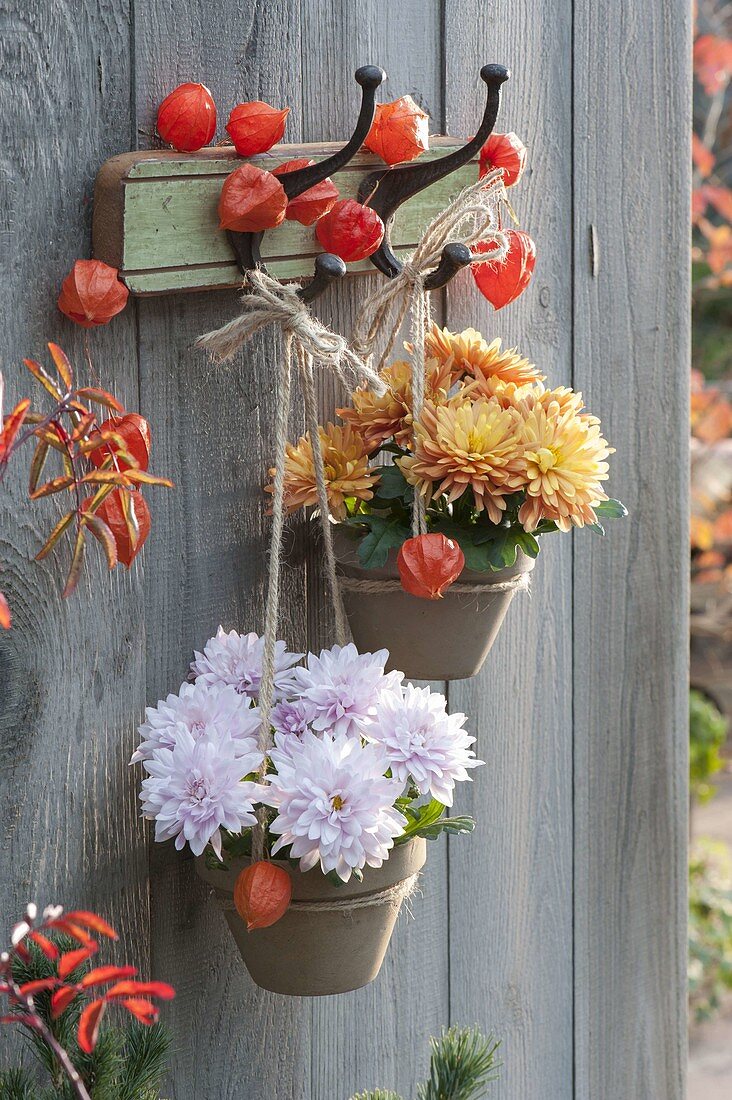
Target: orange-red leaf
713 62
63 366
142 477
55 485
55 535
429 564
702 156
48 947
37 463
71 959
102 974
61 1000
89 1022
77 561
46 381
251 200
145 989
93 921
255 127
103 535
6 619
143 1010
101 397
40 985
11 425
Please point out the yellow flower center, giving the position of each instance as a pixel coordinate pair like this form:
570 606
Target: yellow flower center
336 802
545 458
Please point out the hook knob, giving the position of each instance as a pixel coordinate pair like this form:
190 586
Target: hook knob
328 269
455 257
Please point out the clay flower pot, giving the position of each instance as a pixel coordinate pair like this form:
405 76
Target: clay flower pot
317 949
445 639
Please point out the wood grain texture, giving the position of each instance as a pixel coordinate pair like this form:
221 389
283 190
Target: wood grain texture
511 883
72 672
156 217
631 600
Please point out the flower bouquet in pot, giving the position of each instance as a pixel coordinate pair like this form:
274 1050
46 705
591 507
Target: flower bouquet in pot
357 772
494 460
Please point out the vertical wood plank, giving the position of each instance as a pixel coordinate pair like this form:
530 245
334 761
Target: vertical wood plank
633 94
71 672
376 1036
215 430
511 883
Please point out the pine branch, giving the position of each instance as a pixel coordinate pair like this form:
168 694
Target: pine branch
377 1094
463 1062
17 1084
146 1059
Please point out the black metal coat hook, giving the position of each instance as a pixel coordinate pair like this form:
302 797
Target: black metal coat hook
327 266
386 189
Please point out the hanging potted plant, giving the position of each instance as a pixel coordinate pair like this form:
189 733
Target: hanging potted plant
357 772
495 459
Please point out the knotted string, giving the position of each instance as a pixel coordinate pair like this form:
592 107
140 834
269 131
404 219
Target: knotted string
307 343
472 217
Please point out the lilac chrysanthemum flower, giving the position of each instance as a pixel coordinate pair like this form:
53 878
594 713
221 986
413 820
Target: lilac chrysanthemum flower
290 718
205 710
195 789
343 686
334 804
423 741
236 659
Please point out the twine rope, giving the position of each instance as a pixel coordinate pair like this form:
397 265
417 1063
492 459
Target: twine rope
392 895
515 584
306 341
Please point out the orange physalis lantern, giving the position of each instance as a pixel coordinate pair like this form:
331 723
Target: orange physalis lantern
251 200
91 294
187 117
506 151
399 132
502 282
314 202
255 127
134 431
262 894
110 510
429 564
350 230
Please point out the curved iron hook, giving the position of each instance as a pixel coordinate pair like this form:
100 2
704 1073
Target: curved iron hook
327 266
388 188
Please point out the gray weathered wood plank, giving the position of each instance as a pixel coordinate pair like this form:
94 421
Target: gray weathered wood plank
511 883
72 672
214 428
631 680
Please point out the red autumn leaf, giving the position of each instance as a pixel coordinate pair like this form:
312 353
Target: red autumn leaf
350 230
255 127
143 1010
134 431
187 117
703 158
61 1000
91 294
141 989
506 151
63 366
399 132
89 1022
262 894
713 62
111 511
102 974
70 960
40 985
501 283
314 202
721 199
22 952
93 921
11 425
69 928
6 619
48 947
251 200
429 564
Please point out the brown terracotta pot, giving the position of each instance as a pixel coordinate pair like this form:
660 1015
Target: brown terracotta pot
445 639
308 953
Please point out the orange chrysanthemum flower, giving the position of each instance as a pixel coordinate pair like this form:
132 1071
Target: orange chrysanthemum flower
565 463
378 418
346 464
468 353
468 444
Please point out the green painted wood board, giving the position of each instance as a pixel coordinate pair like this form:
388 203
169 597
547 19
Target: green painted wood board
156 218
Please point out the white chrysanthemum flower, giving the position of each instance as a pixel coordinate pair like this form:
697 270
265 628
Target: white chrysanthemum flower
236 659
195 789
423 741
334 804
343 686
204 710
